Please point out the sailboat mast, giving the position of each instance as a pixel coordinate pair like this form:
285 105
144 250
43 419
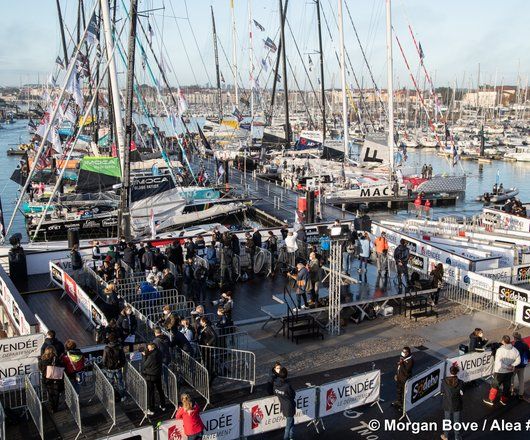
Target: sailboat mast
63 38
125 221
234 53
322 86
343 80
283 13
251 66
115 91
217 73
390 85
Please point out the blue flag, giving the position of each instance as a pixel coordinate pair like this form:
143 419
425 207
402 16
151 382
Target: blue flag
270 44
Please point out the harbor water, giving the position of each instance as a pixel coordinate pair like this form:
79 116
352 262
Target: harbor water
480 176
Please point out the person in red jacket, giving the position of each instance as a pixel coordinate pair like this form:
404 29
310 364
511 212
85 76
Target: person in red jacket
189 413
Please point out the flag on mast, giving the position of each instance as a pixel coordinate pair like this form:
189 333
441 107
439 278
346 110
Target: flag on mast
150 33
259 26
420 49
92 31
270 44
152 223
183 105
59 62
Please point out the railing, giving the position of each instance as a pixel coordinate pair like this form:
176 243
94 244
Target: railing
195 374
236 340
171 387
137 388
14 397
2 423
230 364
72 402
104 391
34 405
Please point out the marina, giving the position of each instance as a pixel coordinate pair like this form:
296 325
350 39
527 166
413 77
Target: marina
281 221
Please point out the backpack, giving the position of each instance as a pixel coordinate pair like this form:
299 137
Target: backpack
115 358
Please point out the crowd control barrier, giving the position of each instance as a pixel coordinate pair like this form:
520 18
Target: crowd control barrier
142 433
34 405
195 374
82 301
264 415
422 386
171 388
136 386
71 399
104 391
2 423
231 364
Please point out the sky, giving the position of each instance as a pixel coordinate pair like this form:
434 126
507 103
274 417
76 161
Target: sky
455 35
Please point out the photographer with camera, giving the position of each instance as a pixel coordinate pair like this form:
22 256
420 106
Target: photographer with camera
226 302
301 275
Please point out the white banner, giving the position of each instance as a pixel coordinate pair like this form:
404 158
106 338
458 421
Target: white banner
221 424
21 347
508 295
10 370
472 366
522 313
349 393
62 279
423 386
144 433
264 414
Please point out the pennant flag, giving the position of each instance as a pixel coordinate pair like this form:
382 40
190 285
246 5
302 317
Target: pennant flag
264 64
93 31
270 44
83 65
222 77
74 88
422 55
59 62
237 114
278 77
56 142
205 141
51 80
259 26
183 105
310 63
144 59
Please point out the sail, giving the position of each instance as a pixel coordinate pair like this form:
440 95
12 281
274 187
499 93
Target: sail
375 151
98 173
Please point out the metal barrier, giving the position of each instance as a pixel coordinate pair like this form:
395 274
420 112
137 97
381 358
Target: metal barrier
235 340
171 387
195 374
477 298
168 297
136 387
34 405
104 391
2 424
71 399
230 364
15 396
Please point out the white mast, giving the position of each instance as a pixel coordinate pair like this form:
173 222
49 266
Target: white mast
251 60
49 126
116 103
234 53
343 82
390 85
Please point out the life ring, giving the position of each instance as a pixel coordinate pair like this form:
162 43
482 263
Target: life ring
259 261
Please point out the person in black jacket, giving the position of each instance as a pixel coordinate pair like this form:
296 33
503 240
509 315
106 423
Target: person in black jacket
477 341
163 344
148 260
129 255
168 280
52 341
401 256
152 372
112 362
452 392
75 258
272 377
127 324
285 393
256 238
54 387
403 373
207 335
